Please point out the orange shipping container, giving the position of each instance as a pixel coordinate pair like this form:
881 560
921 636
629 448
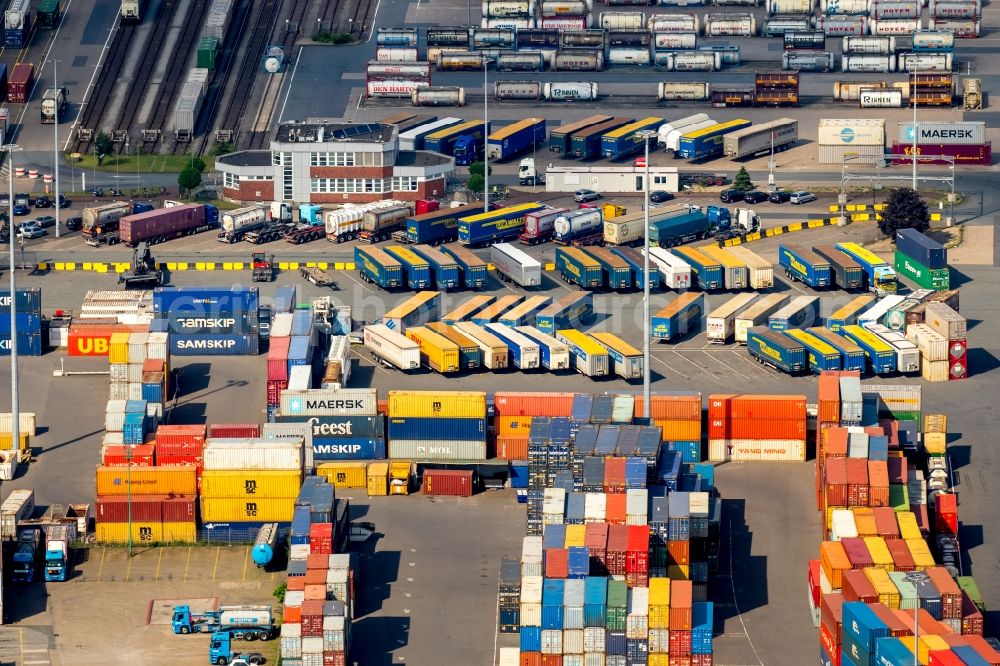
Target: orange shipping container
770 407
513 426
166 480
95 339
513 403
833 559
614 511
296 583
681 597
864 519
828 394
682 431
531 659
836 442
740 428
878 479
512 448
293 614
671 407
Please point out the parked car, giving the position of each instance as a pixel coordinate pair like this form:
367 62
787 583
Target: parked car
21 209
30 230
730 196
581 196
660 196
755 197
74 223
802 197
46 221
779 197
43 202
64 202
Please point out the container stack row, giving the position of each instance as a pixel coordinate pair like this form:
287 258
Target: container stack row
319 596
208 320
756 427
886 587
157 502
28 305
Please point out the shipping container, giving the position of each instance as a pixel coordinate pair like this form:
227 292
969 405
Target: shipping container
391 348
680 317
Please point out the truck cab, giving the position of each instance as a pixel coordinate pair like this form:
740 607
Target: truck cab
884 280
527 174
220 651
29 544
467 150
58 560
281 212
746 219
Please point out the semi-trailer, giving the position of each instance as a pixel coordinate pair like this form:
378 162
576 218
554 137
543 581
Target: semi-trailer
881 355
852 357
569 311
100 223
777 350
821 355
245 622
495 226
879 274
907 353
708 142
707 272
677 127
514 265
675 271
878 311
492 312
447 274
579 227
346 223
720 324
846 273
417 270
559 137
19 506
58 554
589 357
758 314
554 354
494 351
27 553
680 317
464 310
524 313
417 310
436 351
520 137
586 143
774 136
626 360
734 271
628 139
413 139
390 348
463 141
801 312
524 352
377 267
475 272
237 223
760 271
804 265
540 225
577 267
634 258
617 272
682 225
380 224
848 313
440 226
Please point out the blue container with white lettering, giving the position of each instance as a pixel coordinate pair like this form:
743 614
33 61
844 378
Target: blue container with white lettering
27 322
531 639
206 299
214 345
437 428
348 449
690 450
134 430
299 351
27 300
28 343
185 322
340 427
152 392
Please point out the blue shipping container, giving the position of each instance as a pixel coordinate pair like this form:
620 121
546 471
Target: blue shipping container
214 345
332 427
185 322
302 322
892 652
28 300
861 624
152 392
554 536
921 248
285 298
552 617
579 562
531 639
348 449
28 344
690 450
436 428
206 300
614 642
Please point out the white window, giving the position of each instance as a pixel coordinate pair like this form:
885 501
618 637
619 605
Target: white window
230 180
404 184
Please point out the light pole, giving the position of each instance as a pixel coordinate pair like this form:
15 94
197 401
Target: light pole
915 130
15 411
486 143
914 578
647 136
770 167
55 138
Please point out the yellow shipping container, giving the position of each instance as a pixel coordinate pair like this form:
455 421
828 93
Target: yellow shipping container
346 474
576 536
881 557
513 426
921 554
436 351
935 423
118 348
659 616
888 594
679 571
659 591
448 404
864 519
6 440
378 479
935 443
118 532
163 480
907 525
659 659
180 532
682 431
259 509
401 473
925 644
250 483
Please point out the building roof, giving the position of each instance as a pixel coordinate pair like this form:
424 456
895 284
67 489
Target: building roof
247 158
420 158
324 132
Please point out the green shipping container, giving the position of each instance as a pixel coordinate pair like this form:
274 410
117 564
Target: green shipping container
48 13
937 279
207 48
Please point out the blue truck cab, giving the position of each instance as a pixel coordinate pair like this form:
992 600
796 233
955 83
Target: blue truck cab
29 546
220 651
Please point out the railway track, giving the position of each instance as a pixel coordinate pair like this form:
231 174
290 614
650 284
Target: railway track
94 107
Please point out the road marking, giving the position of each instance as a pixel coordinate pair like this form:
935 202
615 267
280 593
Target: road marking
215 569
158 561
719 360
100 569
496 630
288 90
669 367
128 571
187 564
20 637
246 557
374 20
680 355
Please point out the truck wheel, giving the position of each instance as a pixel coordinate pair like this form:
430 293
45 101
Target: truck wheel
256 659
185 630
222 661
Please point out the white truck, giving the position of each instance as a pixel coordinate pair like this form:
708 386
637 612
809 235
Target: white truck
391 348
528 174
514 265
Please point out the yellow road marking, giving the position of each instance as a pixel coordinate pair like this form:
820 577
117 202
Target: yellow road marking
100 570
158 560
246 558
187 564
215 569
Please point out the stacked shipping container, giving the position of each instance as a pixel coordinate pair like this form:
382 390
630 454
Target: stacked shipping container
756 427
28 306
437 425
208 320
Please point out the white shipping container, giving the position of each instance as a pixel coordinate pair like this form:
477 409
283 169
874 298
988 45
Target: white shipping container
114 415
573 619
552 641
157 345
25 423
420 449
698 504
118 372
135 373
510 656
945 321
119 390
303 431
852 132
531 589
756 450
842 525
636 501
312 644
595 507
531 614
932 345
326 402
137 347
18 506
270 454
112 439
638 602
594 640
299 551
934 371
573 639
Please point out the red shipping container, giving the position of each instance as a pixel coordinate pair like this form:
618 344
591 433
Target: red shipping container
556 562
145 509
321 539
929 626
857 587
140 455
857 553
315 576
234 430
179 509
813 581
902 559
983 649
857 482
951 594
614 507
19 84
735 428
757 407
637 559
161 223
828 643
681 597
551 660
596 541
317 560
885 522
274 389
512 448
680 643
671 407
828 396
678 552
636 579
836 482
277 359
195 460
831 614
153 365
943 658
680 661
179 440
424 206
836 442
515 403
701 660
334 659
878 483
819 487
312 617
946 513
614 475
617 549
297 583
531 659
292 614
972 618
451 482
920 513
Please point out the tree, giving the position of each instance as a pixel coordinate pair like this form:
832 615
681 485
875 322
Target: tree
103 146
476 183
199 164
742 182
904 210
478 169
189 179
221 148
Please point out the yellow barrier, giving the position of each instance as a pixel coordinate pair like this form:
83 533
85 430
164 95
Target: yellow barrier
550 266
121 267
834 208
935 217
